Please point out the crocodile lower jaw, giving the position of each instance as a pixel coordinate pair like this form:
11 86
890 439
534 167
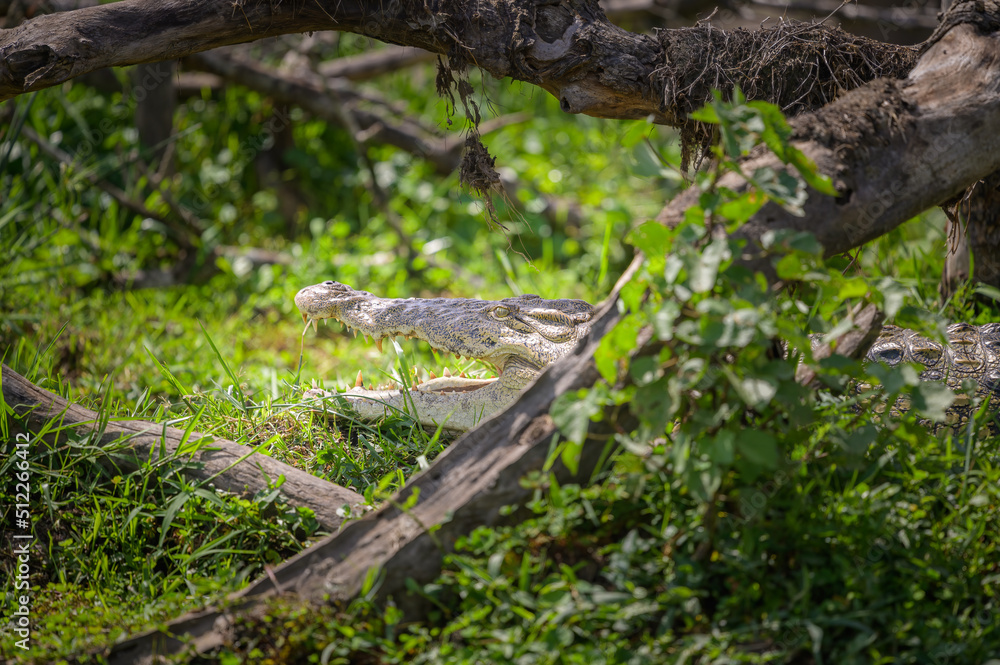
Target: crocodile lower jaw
453 384
453 403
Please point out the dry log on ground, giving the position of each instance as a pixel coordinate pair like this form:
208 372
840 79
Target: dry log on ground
230 466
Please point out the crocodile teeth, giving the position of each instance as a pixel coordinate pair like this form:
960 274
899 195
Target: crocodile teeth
315 327
364 337
378 344
463 376
355 333
446 372
359 382
432 374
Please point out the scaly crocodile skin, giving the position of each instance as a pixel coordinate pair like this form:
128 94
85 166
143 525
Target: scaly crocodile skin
972 354
519 336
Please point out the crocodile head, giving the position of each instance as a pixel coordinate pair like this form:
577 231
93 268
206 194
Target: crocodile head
519 336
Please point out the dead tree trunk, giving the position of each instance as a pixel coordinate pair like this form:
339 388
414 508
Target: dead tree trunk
568 48
984 230
230 466
156 98
892 148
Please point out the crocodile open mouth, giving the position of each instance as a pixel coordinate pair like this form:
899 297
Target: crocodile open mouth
517 336
445 383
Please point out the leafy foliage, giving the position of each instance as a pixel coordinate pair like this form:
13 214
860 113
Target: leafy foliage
744 518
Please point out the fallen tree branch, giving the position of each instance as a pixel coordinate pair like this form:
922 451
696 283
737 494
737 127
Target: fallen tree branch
371 64
231 467
569 48
892 148
323 98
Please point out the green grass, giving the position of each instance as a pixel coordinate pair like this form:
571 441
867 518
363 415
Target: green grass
824 536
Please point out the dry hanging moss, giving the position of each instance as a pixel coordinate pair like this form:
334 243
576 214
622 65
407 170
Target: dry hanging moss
478 171
798 66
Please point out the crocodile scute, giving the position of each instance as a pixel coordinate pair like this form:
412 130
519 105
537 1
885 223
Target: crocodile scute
972 355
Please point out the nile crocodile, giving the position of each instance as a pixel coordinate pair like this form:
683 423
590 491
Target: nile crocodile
522 335
972 354
519 336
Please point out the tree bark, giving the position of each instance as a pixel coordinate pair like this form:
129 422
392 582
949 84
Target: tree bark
984 230
568 48
956 261
156 98
230 466
893 148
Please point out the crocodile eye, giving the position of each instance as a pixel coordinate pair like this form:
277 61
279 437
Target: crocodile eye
329 282
890 356
500 312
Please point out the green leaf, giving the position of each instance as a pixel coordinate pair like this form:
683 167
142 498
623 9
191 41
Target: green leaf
758 447
755 391
852 288
706 270
616 346
651 237
645 369
573 412
171 511
721 448
807 169
656 404
662 319
743 207
707 114
932 399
